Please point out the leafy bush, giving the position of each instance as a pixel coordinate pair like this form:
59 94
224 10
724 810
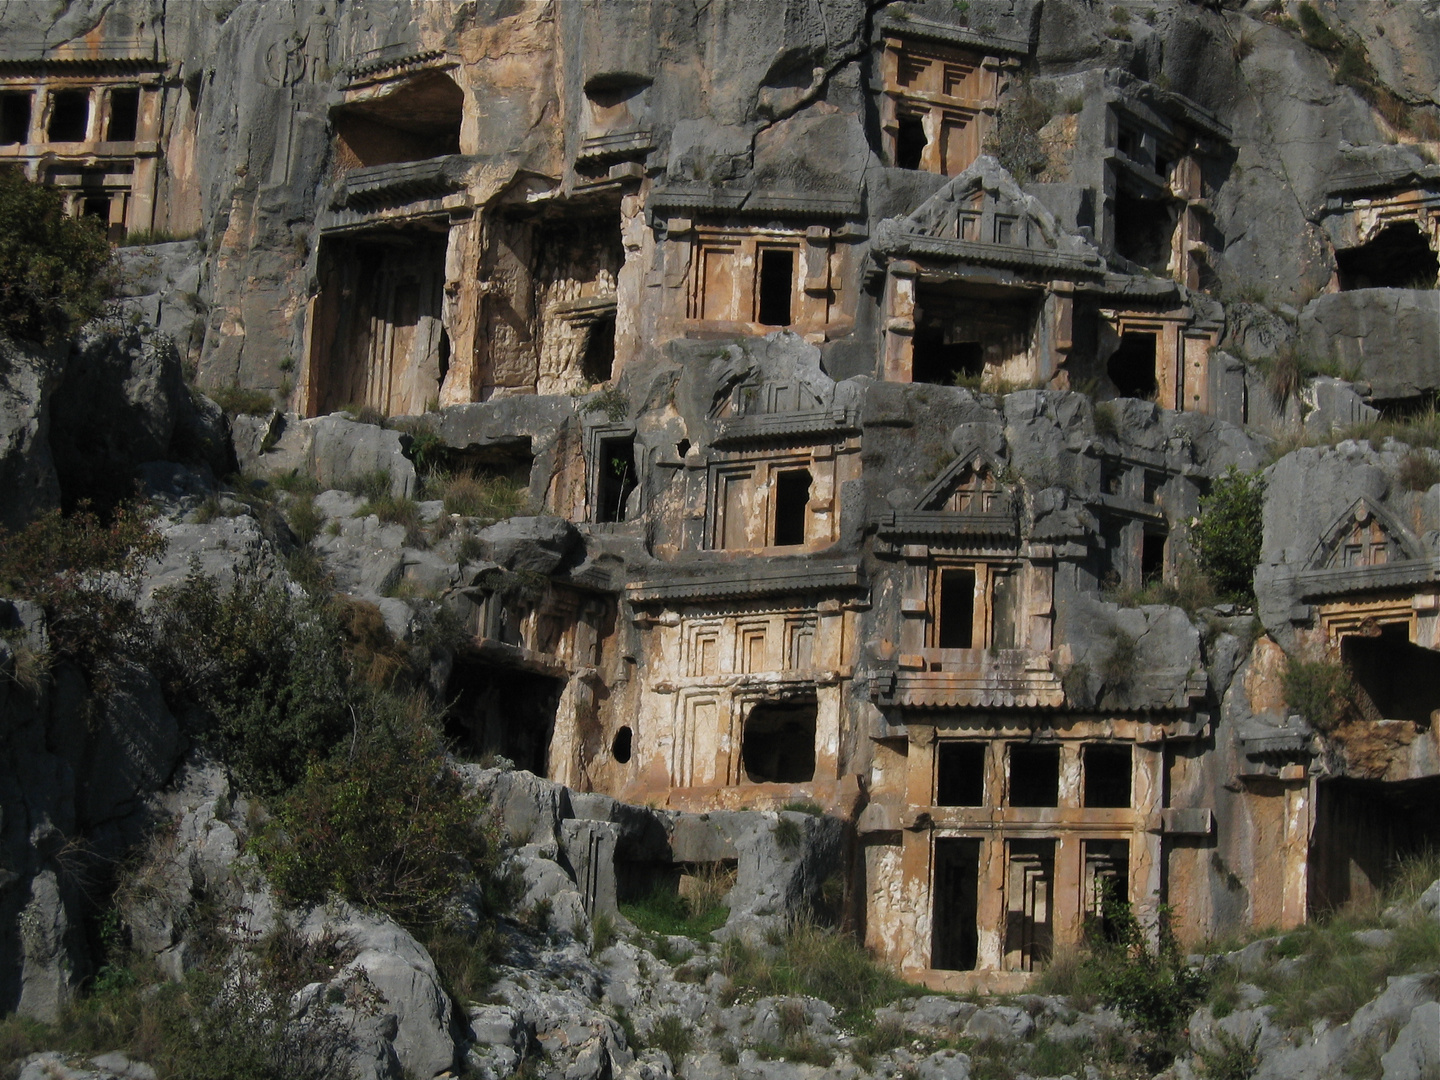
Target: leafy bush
52 267
266 668
1226 536
388 825
86 574
1318 690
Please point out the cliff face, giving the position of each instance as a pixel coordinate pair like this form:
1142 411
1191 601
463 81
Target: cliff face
866 367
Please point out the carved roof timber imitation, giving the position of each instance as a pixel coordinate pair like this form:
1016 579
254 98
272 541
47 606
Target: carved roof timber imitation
739 581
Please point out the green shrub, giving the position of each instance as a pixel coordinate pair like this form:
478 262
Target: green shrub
612 402
388 825
1315 30
1318 690
267 669
1151 986
1227 534
86 574
52 266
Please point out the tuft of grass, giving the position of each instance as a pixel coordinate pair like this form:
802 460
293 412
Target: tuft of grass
805 806
304 520
364 414
397 510
602 933
489 497
672 1035
370 485
818 962
1190 591
295 483
1419 471
1107 420
235 400
788 834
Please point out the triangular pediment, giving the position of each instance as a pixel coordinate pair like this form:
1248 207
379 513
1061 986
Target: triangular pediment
968 485
1365 535
981 215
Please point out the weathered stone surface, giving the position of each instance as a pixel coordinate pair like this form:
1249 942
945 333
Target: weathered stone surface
1390 338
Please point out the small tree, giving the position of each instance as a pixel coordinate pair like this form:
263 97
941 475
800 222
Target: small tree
51 265
1227 533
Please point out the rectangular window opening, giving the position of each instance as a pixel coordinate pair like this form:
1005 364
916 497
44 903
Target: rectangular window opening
618 479
14 118
1131 367
777 285
1034 775
956 940
792 494
910 142
957 610
69 115
124 115
779 743
934 360
598 363
1107 775
960 774
1374 664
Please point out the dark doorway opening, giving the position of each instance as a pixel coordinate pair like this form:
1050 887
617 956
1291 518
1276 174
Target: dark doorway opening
1364 829
1107 775
957 610
1029 888
792 496
14 118
617 479
502 710
910 142
1400 679
779 743
1107 888
956 939
69 115
598 363
1152 557
960 774
620 745
1132 366
96 206
124 115
1143 228
1397 258
933 360
777 282
1034 775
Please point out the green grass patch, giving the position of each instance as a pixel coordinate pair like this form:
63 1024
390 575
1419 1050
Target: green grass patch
822 963
669 914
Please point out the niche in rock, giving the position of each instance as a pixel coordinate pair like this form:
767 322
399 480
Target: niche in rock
414 120
379 339
1399 257
502 710
779 743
